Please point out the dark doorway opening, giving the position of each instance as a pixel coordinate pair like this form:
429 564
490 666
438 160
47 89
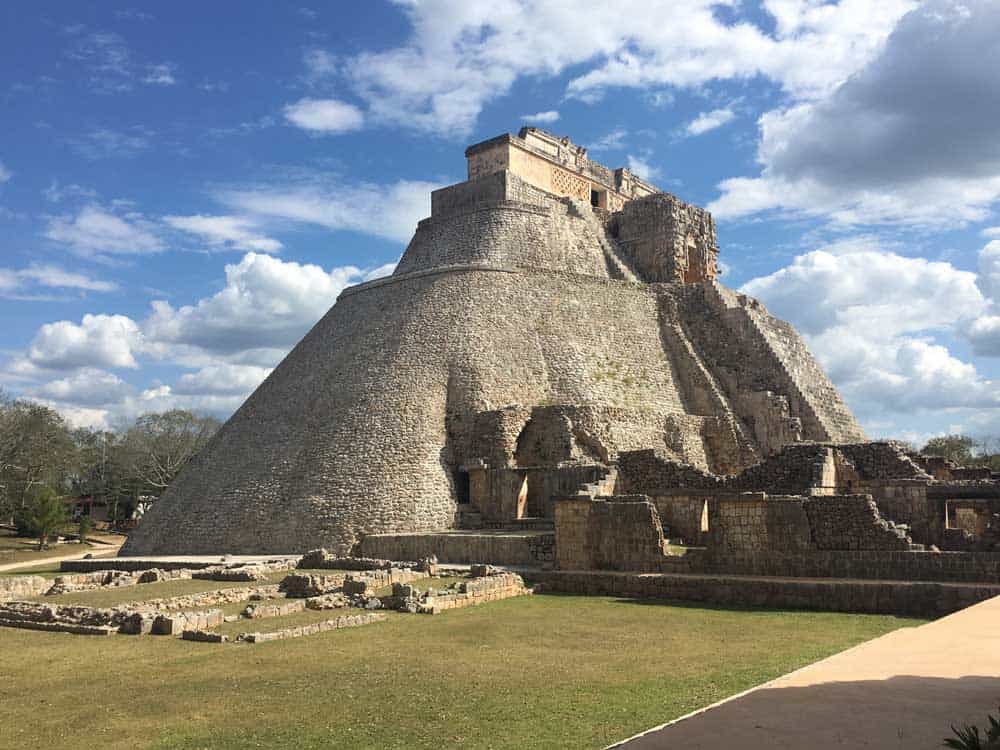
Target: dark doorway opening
595 198
462 490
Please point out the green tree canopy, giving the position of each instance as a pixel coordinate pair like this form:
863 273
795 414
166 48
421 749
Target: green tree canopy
957 448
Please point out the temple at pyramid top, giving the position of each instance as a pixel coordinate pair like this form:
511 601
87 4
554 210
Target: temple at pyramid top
656 236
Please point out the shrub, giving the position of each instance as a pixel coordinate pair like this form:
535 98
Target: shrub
968 737
43 515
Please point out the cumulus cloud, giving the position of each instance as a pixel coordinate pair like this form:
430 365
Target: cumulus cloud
910 138
542 118
223 379
228 343
105 341
266 304
97 231
707 121
231 232
89 387
389 211
326 116
872 318
461 55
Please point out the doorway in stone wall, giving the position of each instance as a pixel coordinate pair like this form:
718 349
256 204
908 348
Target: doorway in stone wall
695 270
463 491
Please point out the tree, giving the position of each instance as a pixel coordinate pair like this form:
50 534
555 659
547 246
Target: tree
44 514
957 448
84 529
36 448
157 446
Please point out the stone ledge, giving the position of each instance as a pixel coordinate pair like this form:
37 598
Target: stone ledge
904 598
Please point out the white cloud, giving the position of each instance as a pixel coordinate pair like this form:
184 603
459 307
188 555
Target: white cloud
613 141
231 339
541 118
461 55
105 341
383 270
327 116
50 276
267 305
991 232
871 316
232 232
96 231
5 174
642 168
320 63
221 380
107 59
910 138
709 121
88 387
390 211
57 192
160 75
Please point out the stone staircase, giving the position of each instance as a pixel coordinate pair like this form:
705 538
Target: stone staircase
469 518
603 487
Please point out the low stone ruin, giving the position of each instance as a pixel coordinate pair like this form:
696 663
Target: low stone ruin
491 585
344 621
194 617
22 587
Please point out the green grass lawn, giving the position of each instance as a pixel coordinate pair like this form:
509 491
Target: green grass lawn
538 672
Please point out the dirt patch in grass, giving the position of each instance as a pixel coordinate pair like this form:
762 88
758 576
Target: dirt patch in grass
533 672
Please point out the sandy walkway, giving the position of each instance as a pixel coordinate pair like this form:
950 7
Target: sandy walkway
104 550
902 690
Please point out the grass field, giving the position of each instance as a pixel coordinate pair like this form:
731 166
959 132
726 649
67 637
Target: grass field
535 672
14 549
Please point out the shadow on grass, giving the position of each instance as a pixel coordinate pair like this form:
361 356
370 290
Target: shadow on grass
688 604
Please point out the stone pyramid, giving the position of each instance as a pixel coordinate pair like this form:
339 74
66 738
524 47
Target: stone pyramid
549 314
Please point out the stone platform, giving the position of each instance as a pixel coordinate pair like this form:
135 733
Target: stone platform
904 598
534 549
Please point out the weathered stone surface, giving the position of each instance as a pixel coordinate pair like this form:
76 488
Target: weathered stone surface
22 587
601 327
914 599
345 621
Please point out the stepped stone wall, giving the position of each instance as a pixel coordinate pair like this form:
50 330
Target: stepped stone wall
509 297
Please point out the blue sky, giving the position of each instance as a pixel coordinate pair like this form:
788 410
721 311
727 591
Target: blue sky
185 188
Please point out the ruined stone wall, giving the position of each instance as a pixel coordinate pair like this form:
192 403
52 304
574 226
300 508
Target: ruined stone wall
533 549
616 533
667 239
851 522
757 522
326 449
507 295
685 515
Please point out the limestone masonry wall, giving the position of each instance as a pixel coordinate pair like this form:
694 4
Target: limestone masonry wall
507 295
